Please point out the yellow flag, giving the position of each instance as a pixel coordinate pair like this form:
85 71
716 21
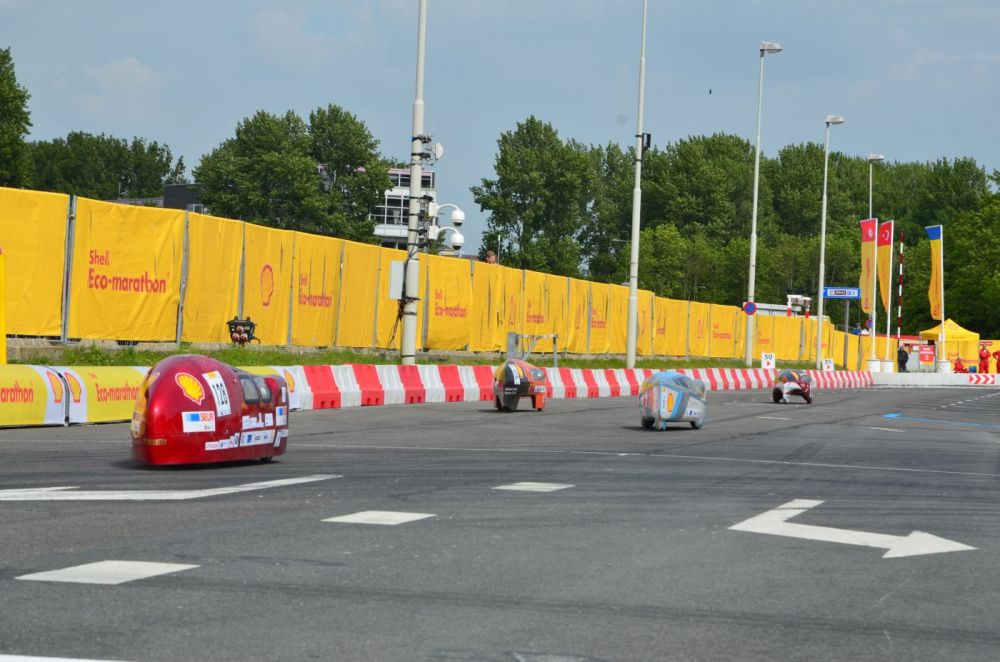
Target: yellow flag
935 292
867 282
884 249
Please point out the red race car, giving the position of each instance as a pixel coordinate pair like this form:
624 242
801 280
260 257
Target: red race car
193 409
517 379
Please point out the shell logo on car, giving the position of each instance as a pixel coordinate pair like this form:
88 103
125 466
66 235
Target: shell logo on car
190 387
290 380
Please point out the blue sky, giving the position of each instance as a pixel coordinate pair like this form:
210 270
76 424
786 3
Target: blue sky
916 80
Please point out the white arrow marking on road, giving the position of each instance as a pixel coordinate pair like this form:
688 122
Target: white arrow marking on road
60 493
775 522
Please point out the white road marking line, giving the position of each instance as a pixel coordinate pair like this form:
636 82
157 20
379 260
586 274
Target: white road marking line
533 487
775 522
107 572
670 456
775 418
887 429
32 658
384 517
68 493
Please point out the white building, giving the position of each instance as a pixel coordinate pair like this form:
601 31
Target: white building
392 216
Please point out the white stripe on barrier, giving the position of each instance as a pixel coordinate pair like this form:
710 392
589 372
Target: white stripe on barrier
392 384
603 387
555 379
430 376
470 387
578 380
347 384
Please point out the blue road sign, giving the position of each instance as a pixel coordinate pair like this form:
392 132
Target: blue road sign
841 292
749 307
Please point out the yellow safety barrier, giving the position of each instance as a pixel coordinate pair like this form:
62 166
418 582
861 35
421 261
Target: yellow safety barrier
578 318
215 249
485 306
724 334
315 289
31 395
3 307
126 272
267 279
600 311
449 302
557 293
359 287
34 233
618 319
102 394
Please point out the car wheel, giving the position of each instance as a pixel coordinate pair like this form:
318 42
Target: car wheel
697 425
808 399
777 395
496 402
265 460
647 423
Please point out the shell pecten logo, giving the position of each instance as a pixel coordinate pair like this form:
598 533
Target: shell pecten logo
56 384
190 387
266 285
289 380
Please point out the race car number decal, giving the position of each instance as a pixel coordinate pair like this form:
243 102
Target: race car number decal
219 392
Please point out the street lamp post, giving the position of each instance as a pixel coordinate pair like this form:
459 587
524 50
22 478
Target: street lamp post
632 322
874 364
408 346
830 120
765 47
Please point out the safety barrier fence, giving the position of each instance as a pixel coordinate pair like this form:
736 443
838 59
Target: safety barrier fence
53 395
133 273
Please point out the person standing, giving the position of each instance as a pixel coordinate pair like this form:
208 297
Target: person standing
902 358
984 359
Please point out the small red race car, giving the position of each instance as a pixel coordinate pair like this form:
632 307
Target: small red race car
517 379
193 409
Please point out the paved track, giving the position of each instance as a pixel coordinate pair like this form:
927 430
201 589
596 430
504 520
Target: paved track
635 560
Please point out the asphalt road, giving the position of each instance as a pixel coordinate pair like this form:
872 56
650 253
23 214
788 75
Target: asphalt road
632 558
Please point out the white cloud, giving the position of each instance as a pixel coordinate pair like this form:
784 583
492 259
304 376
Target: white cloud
122 90
947 67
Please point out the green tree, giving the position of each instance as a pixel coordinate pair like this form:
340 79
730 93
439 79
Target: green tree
540 200
606 239
14 123
103 167
323 177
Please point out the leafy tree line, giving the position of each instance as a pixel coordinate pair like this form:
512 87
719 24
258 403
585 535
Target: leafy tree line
559 206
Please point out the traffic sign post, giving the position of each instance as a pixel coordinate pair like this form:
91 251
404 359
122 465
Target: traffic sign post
845 293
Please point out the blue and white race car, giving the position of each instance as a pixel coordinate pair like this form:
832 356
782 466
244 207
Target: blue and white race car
668 397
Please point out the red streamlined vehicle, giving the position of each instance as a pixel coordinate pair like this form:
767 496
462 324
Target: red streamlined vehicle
517 379
193 409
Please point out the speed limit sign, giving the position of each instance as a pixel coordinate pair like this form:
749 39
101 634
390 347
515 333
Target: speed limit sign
767 360
828 365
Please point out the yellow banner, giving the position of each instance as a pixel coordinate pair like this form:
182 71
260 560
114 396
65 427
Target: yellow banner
600 310
722 342
577 317
449 321
358 289
698 328
487 300
557 289
102 394
644 325
670 331
387 310
869 228
536 307
935 290
33 241
316 284
837 348
126 271
884 259
215 248
764 342
618 319
31 395
787 336
267 278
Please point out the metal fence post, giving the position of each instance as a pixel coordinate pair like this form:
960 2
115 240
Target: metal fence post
68 267
291 294
184 279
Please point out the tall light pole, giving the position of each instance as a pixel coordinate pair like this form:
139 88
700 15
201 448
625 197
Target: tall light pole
873 364
633 264
765 47
872 160
830 120
408 347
